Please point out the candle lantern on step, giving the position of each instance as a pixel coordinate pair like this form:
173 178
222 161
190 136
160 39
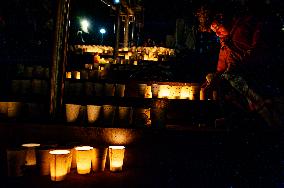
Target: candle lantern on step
184 94
30 153
164 91
116 156
77 75
68 75
58 164
83 159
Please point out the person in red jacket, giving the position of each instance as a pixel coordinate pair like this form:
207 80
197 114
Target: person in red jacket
241 64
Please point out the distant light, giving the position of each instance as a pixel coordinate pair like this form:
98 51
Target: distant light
116 1
84 25
102 31
105 3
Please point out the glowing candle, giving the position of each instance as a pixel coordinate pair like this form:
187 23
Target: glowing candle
68 75
77 75
30 153
148 92
58 164
164 91
184 94
146 57
116 156
191 97
126 56
83 159
175 92
202 94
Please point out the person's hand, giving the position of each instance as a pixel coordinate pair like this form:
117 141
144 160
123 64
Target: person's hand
224 41
208 80
212 80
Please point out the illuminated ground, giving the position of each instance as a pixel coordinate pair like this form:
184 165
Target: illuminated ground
175 158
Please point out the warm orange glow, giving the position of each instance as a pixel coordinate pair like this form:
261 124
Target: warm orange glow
191 96
69 162
3 108
14 109
120 136
184 94
145 57
68 75
58 164
202 94
30 153
72 112
59 152
116 156
83 159
30 145
175 92
126 56
148 92
77 75
93 113
97 59
164 91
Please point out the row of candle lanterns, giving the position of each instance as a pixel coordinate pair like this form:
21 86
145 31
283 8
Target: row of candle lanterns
94 48
126 55
16 109
109 50
58 162
143 90
109 115
170 92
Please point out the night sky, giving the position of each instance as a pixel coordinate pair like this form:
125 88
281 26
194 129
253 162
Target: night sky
28 24
160 16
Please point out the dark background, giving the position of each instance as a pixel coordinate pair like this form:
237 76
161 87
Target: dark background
26 27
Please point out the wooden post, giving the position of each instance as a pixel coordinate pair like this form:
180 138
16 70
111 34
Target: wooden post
126 31
59 59
117 31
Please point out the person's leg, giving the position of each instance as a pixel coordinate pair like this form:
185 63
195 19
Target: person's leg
255 101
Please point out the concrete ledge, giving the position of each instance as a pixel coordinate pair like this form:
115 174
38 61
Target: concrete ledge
60 133
18 133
